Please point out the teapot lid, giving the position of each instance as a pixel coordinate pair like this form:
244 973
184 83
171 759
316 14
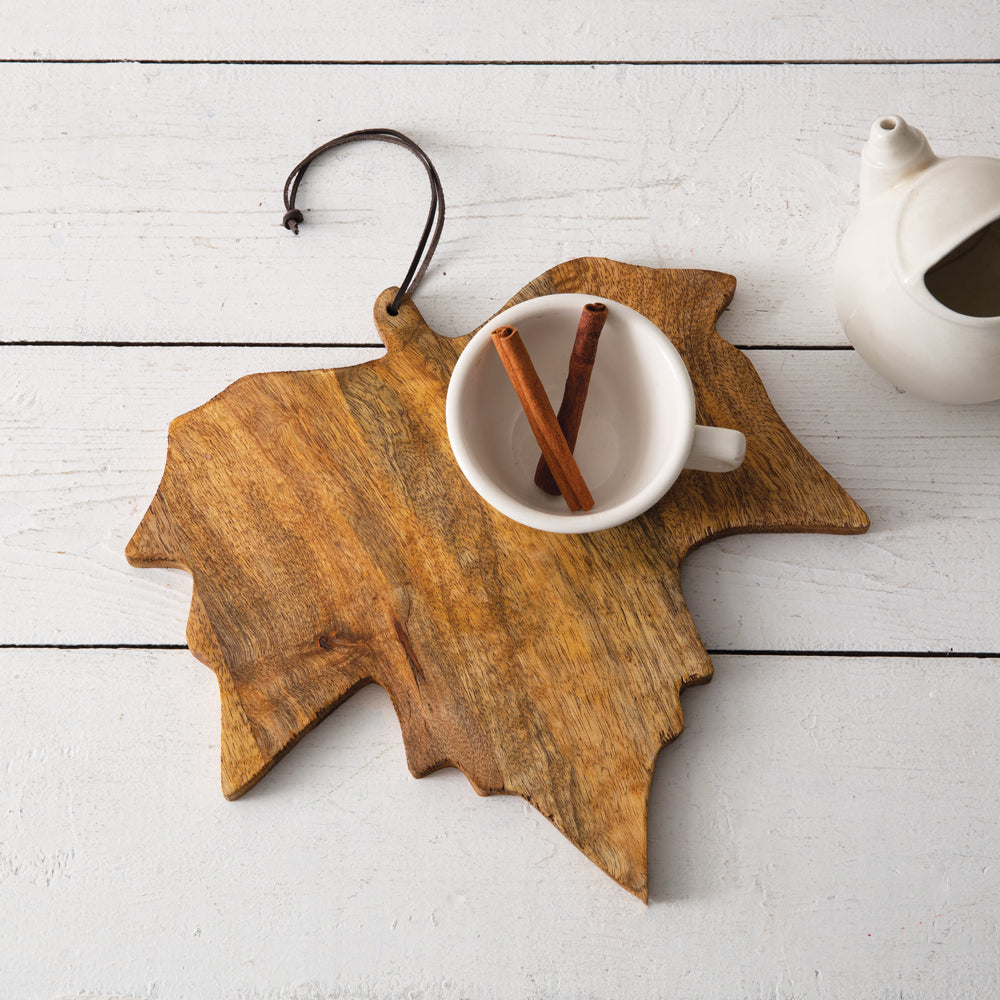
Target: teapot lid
946 204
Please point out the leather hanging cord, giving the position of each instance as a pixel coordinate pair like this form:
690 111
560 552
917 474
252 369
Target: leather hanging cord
435 217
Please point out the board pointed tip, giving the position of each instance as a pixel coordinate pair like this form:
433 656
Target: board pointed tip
152 543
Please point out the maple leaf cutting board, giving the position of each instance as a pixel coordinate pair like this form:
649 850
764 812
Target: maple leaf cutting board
333 542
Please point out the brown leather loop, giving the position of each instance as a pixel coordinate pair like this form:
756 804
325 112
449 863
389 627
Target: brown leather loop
435 216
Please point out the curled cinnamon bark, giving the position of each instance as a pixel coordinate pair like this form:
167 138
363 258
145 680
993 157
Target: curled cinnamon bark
581 364
542 418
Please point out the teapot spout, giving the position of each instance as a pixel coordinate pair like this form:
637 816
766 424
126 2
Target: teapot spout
894 151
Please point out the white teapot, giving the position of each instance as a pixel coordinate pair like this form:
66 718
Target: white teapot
917 277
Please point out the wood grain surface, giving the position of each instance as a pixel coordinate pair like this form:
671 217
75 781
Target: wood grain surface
333 542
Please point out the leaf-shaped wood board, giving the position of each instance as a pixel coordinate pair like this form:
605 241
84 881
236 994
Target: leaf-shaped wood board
334 542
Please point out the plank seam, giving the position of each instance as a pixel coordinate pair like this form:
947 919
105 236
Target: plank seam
335 345
953 654
861 653
93 645
985 61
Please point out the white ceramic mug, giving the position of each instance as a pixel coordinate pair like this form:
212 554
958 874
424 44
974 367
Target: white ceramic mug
638 429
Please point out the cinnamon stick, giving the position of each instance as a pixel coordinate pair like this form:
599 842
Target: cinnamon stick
581 364
541 418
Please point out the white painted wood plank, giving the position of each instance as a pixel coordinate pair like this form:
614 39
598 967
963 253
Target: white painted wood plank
926 575
143 202
824 828
515 30
81 454
85 437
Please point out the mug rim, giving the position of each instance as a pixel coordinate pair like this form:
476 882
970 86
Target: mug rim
581 521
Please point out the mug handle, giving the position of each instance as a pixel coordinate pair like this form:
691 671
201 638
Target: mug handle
716 449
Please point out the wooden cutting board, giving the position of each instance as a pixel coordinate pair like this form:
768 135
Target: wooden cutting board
333 543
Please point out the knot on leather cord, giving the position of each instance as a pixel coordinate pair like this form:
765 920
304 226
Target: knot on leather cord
292 219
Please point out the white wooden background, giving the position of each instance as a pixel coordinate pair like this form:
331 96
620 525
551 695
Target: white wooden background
828 825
